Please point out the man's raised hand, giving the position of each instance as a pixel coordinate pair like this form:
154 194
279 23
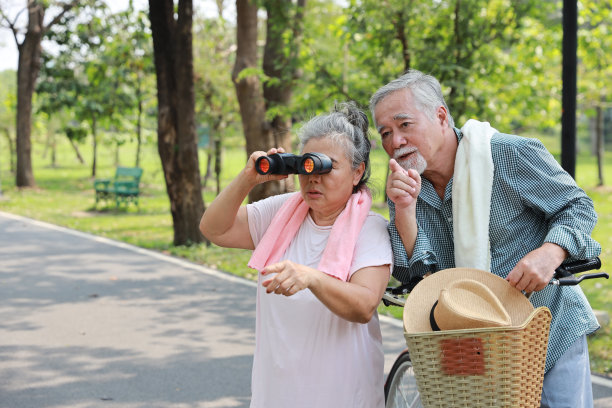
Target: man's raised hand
403 186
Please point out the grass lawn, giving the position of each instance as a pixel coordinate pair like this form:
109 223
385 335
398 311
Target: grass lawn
64 196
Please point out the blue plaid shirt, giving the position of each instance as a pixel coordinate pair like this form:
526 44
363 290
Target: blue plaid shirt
533 201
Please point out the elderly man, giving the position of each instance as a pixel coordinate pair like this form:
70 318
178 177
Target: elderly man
474 197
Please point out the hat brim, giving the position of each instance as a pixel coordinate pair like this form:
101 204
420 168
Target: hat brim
425 294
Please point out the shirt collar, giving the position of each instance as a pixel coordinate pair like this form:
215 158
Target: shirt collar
428 193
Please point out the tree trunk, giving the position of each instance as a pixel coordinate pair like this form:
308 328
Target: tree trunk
599 137
117 154
218 165
279 64
176 135
94 136
28 67
76 151
139 120
27 71
255 100
257 132
9 140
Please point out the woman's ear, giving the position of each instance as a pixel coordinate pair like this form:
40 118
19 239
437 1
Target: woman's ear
358 173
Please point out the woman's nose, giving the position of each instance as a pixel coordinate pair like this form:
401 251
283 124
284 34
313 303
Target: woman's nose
314 178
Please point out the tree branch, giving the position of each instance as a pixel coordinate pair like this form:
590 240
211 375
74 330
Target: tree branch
12 25
66 7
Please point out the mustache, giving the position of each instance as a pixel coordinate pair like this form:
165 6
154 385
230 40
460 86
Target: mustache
403 151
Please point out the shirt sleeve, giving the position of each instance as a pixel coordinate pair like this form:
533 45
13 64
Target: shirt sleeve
545 187
423 258
373 247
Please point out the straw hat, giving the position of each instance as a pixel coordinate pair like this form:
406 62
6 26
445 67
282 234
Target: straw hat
464 298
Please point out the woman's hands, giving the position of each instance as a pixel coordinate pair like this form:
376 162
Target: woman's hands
355 300
225 221
253 176
290 278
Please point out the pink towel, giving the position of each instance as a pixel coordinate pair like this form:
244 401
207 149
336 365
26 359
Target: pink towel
338 254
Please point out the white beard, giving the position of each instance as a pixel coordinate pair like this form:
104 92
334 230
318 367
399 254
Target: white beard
415 161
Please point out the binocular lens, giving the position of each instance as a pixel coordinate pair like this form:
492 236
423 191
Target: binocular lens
264 166
308 165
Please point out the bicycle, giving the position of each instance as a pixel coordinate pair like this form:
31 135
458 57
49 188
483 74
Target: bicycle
401 387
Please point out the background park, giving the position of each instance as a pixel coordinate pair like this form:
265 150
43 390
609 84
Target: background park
186 91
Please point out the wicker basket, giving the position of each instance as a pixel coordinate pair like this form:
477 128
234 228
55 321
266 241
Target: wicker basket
492 367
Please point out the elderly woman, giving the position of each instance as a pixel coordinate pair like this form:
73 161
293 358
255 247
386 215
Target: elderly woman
324 261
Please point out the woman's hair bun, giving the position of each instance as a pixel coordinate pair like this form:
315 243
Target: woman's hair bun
354 115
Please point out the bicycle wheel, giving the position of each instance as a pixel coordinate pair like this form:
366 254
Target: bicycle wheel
401 388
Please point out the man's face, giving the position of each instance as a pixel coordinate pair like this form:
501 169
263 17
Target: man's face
408 135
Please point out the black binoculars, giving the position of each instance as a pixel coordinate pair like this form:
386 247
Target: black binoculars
287 163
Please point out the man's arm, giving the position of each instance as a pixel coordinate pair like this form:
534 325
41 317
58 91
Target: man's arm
547 188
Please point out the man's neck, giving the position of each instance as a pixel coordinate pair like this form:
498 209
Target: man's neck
441 170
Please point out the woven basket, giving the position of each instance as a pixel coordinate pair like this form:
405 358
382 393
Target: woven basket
492 367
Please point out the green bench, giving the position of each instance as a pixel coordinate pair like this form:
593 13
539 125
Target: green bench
124 188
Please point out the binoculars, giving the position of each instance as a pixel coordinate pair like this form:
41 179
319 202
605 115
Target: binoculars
287 163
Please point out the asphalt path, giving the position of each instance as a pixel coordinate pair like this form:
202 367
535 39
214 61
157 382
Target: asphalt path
90 322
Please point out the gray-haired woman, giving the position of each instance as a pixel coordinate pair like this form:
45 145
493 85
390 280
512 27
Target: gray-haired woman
328 256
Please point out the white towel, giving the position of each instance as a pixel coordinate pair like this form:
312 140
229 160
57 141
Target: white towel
472 186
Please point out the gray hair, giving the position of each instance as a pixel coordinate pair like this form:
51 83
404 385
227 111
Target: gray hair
426 91
346 125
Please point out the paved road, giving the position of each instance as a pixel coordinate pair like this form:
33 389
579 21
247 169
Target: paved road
89 322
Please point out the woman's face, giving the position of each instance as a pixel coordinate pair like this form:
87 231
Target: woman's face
327 194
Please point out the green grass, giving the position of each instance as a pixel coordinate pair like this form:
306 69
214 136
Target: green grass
64 196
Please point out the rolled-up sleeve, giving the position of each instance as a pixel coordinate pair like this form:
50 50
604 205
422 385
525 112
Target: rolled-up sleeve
569 212
423 258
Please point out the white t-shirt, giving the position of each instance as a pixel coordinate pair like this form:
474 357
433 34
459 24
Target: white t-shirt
305 355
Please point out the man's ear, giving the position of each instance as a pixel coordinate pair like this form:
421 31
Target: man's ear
442 115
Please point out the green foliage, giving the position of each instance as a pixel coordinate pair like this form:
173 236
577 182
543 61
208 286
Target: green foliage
595 43
8 98
497 60
75 131
216 103
103 71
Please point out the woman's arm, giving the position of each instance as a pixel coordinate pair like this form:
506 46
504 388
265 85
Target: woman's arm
225 221
355 300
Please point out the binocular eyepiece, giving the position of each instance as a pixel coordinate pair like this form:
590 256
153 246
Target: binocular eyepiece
287 163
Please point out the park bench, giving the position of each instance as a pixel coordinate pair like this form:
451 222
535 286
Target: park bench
124 188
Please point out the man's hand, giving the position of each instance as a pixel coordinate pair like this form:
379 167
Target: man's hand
403 186
534 271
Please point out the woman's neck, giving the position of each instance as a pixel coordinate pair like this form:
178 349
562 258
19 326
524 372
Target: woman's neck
325 219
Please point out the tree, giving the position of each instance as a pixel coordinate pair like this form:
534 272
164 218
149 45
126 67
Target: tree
216 105
27 72
264 107
176 132
86 77
8 102
131 50
595 68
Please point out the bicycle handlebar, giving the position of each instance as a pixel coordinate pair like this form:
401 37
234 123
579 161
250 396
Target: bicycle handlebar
564 276
564 273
